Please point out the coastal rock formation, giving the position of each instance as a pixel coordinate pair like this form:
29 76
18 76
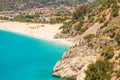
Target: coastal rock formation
74 62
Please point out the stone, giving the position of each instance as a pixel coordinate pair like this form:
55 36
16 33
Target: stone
75 62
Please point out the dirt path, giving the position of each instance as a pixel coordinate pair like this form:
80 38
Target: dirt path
91 30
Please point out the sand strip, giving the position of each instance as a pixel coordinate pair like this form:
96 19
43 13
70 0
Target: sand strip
40 31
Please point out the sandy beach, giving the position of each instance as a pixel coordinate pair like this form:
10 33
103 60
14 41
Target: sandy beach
40 31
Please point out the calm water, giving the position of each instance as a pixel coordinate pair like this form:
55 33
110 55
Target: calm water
25 58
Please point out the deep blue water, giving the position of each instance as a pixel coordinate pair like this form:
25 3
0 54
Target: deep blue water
26 58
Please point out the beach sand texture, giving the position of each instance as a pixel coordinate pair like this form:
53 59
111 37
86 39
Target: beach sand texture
40 31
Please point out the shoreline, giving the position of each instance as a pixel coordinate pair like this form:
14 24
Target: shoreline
35 30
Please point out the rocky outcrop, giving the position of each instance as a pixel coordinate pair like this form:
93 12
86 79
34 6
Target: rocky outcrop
75 62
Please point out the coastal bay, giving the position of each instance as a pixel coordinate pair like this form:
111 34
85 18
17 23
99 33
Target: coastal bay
27 58
35 30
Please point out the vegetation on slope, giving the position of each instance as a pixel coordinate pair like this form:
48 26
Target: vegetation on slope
88 14
100 70
28 4
26 18
78 19
107 67
106 42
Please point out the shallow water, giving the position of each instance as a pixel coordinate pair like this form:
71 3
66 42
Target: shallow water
26 58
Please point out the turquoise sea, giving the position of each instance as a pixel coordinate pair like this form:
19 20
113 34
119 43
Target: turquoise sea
26 58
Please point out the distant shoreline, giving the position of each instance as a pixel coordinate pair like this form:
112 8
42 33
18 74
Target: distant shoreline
35 30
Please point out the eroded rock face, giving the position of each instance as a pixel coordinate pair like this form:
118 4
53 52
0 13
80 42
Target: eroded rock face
75 62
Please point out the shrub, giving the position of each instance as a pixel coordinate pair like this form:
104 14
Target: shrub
80 12
3 18
66 27
82 30
88 37
118 73
99 70
105 24
101 20
110 32
107 4
117 57
108 52
114 11
117 37
91 19
29 16
79 25
103 15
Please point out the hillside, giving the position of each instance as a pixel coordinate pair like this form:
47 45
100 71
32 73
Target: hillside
28 4
96 56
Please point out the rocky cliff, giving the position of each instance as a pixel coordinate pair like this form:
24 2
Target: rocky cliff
96 56
75 61
103 46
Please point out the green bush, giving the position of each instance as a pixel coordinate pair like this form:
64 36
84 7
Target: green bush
99 70
105 25
82 30
117 57
117 37
107 4
29 16
110 32
3 18
78 28
118 1
91 19
66 27
108 52
80 12
114 11
88 37
101 20
118 73
103 15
